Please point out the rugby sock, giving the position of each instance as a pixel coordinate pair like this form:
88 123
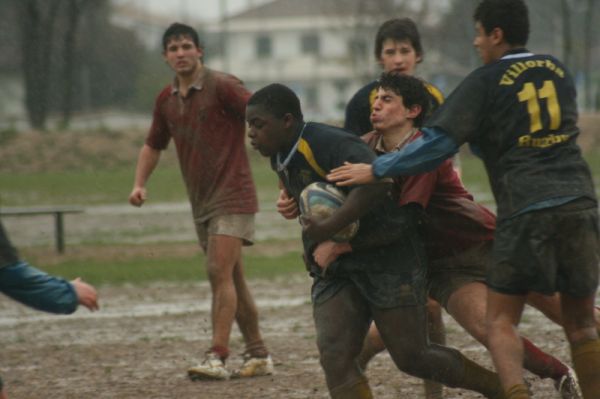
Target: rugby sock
257 348
586 361
519 391
542 364
357 389
221 351
479 379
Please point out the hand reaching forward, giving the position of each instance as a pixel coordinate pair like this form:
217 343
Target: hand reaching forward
86 294
352 174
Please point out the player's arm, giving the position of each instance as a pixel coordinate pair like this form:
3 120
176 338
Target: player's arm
422 155
359 201
147 161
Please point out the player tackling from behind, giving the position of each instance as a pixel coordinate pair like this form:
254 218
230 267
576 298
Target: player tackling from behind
382 279
458 231
519 112
203 112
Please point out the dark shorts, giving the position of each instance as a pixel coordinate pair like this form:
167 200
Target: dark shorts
446 275
546 251
381 290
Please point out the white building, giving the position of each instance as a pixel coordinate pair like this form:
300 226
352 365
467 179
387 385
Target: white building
322 49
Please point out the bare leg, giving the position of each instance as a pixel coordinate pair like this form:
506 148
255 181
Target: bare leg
467 305
373 343
550 306
223 252
503 316
404 331
341 323
580 328
437 335
247 314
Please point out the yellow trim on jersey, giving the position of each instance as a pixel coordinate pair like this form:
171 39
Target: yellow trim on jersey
372 96
305 150
435 92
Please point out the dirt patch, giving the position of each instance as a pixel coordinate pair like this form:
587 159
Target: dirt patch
144 338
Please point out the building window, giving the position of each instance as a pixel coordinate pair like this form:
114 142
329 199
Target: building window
310 44
263 47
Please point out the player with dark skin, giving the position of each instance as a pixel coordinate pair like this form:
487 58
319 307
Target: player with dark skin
397 49
519 111
363 285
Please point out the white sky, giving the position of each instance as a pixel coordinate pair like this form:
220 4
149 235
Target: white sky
197 10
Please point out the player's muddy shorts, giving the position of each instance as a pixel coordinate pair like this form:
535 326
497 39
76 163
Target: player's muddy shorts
448 274
549 250
381 290
1 384
240 226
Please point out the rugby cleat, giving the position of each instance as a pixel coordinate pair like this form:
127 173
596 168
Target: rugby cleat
254 367
211 368
568 387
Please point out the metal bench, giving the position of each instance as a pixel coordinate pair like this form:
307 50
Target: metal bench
57 211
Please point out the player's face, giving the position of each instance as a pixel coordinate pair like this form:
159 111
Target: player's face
389 112
398 56
265 131
484 44
182 55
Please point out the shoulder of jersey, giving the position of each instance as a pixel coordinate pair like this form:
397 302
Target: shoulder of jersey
435 93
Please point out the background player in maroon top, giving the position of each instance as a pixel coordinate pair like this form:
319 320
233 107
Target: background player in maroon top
203 113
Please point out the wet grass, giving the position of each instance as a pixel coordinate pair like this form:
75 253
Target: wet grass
117 265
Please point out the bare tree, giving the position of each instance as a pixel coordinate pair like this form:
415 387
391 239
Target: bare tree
74 10
37 23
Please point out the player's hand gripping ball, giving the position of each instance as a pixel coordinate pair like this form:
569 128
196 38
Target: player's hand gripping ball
320 200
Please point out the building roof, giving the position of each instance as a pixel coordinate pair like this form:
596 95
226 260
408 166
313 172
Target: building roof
307 8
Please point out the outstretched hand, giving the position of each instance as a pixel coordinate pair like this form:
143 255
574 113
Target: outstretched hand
86 294
352 174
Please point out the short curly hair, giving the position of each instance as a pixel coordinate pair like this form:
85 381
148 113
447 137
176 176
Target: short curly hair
411 89
511 16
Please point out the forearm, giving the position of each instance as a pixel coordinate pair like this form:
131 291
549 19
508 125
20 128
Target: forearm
39 290
359 202
147 161
422 155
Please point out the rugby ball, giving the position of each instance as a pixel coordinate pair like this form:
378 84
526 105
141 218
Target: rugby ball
320 200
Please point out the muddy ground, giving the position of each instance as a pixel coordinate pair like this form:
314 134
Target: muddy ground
142 341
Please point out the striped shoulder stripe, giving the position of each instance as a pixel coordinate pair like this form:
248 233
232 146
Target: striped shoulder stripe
435 92
304 149
372 95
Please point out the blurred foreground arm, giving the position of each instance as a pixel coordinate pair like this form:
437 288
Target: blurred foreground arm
34 288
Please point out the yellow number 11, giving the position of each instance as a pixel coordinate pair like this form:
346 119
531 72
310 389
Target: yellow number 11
530 95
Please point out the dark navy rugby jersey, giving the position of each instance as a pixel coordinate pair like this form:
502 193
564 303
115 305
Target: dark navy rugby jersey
382 239
521 114
358 110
